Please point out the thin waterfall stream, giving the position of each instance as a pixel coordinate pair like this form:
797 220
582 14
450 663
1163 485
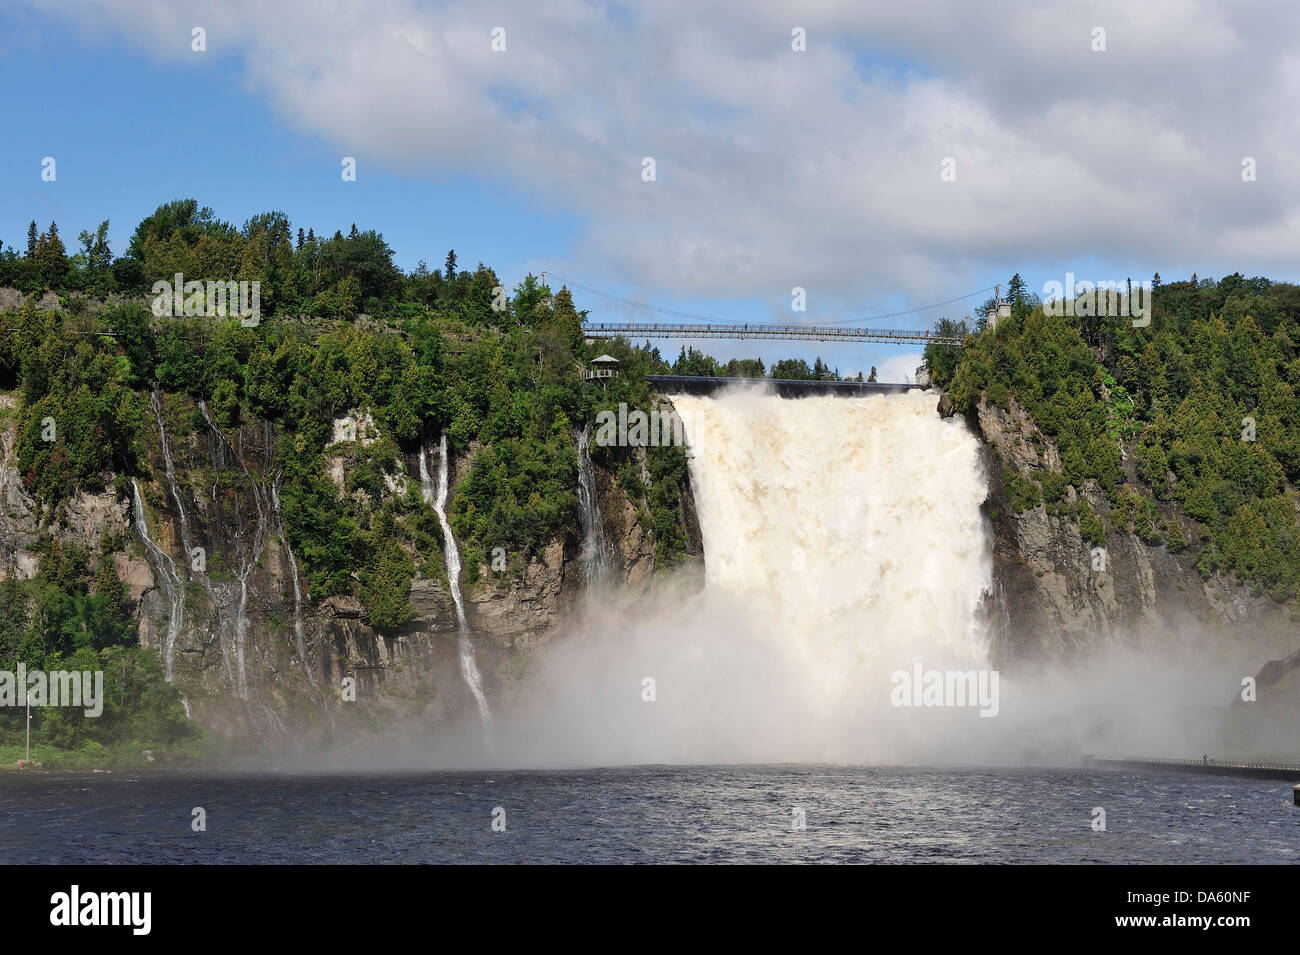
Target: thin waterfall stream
595 552
168 577
468 665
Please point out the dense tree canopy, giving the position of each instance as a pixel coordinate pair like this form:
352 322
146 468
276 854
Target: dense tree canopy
1193 416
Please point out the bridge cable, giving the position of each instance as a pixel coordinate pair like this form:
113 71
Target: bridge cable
737 322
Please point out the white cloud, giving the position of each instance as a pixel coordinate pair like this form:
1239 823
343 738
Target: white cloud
899 368
778 168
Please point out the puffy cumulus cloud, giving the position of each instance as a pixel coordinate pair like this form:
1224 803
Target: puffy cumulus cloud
900 367
821 169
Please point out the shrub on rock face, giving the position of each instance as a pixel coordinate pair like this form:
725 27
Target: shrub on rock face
1175 540
1091 527
1054 485
1022 493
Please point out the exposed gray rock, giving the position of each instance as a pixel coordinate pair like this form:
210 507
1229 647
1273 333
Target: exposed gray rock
345 606
408 677
1049 598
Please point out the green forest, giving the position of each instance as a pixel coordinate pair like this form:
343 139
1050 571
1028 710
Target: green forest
448 351
1193 416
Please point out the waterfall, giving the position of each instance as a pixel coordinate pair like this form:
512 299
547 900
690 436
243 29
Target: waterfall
595 554
468 666
844 544
299 631
247 551
165 570
853 524
156 402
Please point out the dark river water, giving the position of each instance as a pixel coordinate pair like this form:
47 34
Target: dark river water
649 814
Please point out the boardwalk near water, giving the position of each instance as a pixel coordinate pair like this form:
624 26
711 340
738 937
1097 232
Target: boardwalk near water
817 333
1157 764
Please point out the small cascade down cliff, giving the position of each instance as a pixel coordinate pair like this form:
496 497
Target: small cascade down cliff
451 554
167 577
595 553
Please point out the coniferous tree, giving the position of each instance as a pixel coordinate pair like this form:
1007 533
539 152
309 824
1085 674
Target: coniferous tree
354 233
565 319
301 240
31 239
1016 290
51 258
449 270
872 376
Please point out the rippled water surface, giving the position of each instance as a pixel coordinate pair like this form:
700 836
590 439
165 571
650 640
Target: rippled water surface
650 814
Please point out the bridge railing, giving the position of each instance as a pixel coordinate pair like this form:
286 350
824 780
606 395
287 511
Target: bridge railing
1167 761
769 331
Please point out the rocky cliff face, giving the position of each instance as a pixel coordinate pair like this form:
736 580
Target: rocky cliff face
223 599
1055 597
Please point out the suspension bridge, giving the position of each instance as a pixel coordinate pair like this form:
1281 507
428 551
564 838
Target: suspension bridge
704 326
817 333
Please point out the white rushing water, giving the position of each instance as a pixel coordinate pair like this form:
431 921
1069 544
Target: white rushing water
595 553
853 524
165 571
468 665
299 631
155 400
248 548
843 543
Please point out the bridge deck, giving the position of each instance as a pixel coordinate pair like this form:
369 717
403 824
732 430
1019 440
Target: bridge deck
820 333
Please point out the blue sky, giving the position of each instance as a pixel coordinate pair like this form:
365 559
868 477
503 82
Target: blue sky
776 168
